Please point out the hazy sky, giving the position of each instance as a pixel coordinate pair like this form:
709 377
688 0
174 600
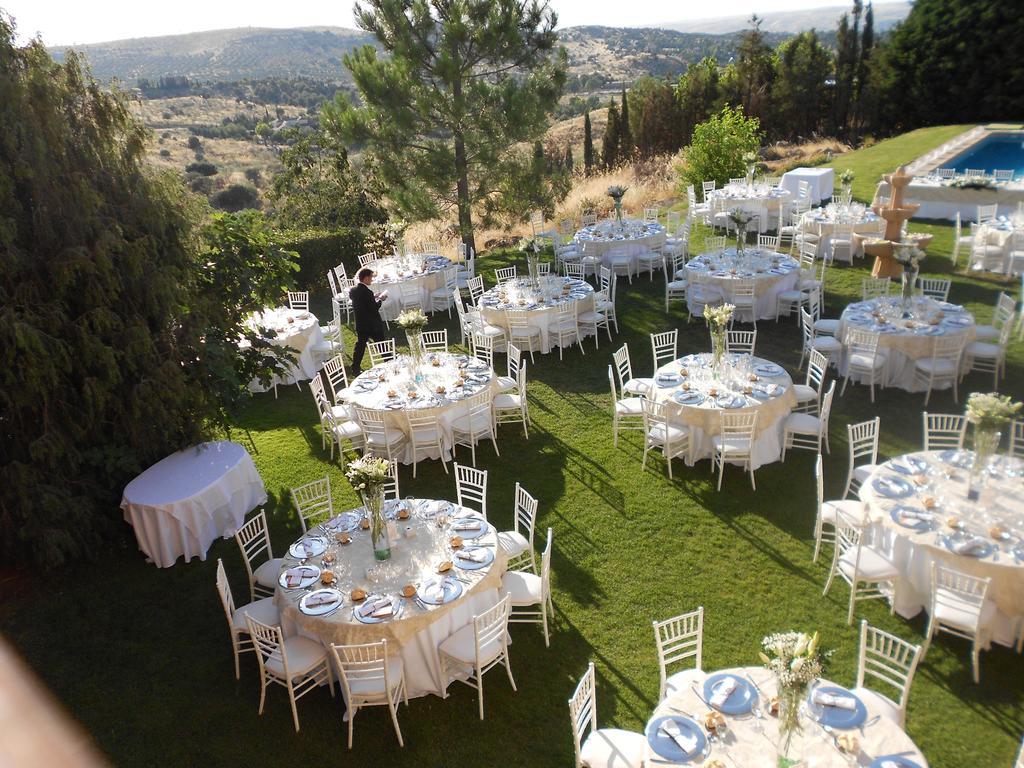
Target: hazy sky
63 22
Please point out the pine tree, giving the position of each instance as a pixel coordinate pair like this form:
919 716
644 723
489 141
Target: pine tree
610 140
588 145
441 115
867 44
626 143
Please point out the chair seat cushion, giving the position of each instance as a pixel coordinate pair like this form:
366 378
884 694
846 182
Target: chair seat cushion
985 332
941 366
266 574
343 412
505 383
264 611
391 435
953 610
369 687
657 434
639 386
803 423
513 543
524 587
478 422
877 702
427 434
489 330
629 406
348 430
682 680
613 748
591 317
874 362
731 445
461 645
507 402
826 344
848 508
827 326
804 393
303 654
527 332
983 349
567 326
794 295
873 565
441 293
603 305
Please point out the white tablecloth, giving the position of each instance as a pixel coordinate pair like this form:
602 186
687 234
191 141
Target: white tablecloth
772 272
541 305
299 330
368 390
905 345
417 631
1000 232
822 222
426 272
1001 504
633 236
938 200
822 181
761 200
751 741
704 418
183 502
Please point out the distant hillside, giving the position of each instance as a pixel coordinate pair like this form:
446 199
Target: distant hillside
887 15
238 54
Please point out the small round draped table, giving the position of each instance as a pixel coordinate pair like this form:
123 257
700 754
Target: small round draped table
293 328
773 402
185 501
541 302
424 271
771 272
751 739
912 499
633 236
416 630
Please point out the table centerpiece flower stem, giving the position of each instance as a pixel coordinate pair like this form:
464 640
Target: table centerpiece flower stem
368 475
718 318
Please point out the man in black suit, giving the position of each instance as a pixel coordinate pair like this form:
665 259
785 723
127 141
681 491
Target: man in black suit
366 306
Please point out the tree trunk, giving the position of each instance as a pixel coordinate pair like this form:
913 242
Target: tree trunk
462 190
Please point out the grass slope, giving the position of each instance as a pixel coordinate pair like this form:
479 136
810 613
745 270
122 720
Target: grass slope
140 656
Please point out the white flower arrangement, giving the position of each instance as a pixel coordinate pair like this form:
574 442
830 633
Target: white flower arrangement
794 658
412 320
368 474
991 411
616 192
908 254
972 182
718 316
531 245
846 177
749 158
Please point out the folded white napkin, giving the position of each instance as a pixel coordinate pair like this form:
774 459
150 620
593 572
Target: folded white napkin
434 591
825 699
472 555
969 546
306 548
722 691
466 526
910 514
325 598
685 741
294 576
383 609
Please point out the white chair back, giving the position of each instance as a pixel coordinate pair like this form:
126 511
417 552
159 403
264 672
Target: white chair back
254 540
434 341
504 274
679 639
313 500
740 342
298 300
889 659
663 346
366 258
471 488
381 351
583 711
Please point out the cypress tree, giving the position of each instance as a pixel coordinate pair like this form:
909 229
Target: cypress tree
626 144
567 165
588 145
610 140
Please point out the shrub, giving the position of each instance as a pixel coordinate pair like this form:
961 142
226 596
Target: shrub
320 250
717 148
253 175
237 197
202 185
194 143
203 169
165 153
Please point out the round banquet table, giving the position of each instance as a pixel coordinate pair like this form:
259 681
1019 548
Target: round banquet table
751 739
906 340
686 385
760 199
540 303
183 502
392 388
772 273
425 271
822 222
911 501
422 541
635 236
293 328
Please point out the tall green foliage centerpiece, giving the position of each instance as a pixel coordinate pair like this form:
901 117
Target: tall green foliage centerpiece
616 193
368 476
718 318
795 660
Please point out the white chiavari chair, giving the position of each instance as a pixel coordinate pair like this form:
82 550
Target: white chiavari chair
381 351
441 298
512 407
298 301
714 243
296 663
673 440
482 348
986 213
504 274
874 288
564 329
823 326
624 368
522 332
253 540
829 512
743 300
862 440
627 412
808 394
1002 314
513 359
434 341
530 593
702 292
475 423
370 676
313 502
676 282
829 346
471 488
366 258
988 357
479 647
591 322
892 661
943 367
390 487
960 606
605 747
768 242
806 430
870 572
263 609
680 639
944 431
734 444
663 347
935 287
620 261
1017 439
518 543
337 379
381 438
865 359
740 342
424 435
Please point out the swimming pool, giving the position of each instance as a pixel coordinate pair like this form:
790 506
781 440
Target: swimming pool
1004 152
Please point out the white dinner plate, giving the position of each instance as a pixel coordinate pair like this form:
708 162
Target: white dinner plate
316 596
317 546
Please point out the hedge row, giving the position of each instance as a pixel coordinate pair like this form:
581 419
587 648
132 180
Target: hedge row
321 250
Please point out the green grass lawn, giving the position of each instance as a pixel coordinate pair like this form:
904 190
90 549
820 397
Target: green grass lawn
140 656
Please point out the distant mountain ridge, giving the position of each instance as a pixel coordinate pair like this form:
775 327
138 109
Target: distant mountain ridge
887 15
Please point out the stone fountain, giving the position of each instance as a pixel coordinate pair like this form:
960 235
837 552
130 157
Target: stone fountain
894 212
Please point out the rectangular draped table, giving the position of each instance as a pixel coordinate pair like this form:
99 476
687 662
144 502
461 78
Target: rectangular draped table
822 181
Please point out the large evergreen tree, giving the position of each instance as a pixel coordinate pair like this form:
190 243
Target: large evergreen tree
799 92
748 81
657 117
463 83
588 145
626 144
699 95
610 140
119 330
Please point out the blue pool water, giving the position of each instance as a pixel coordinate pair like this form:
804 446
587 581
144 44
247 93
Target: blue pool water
998 152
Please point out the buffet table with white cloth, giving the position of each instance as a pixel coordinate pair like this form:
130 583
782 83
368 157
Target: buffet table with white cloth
760 199
822 222
771 272
445 567
821 180
185 501
939 200
633 236
906 340
424 271
731 717
446 380
541 300
696 398
920 512
293 328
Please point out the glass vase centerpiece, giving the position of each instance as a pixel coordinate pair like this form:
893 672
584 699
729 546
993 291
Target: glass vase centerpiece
368 475
989 413
750 162
531 248
413 321
846 182
718 318
796 662
741 220
616 193
909 255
